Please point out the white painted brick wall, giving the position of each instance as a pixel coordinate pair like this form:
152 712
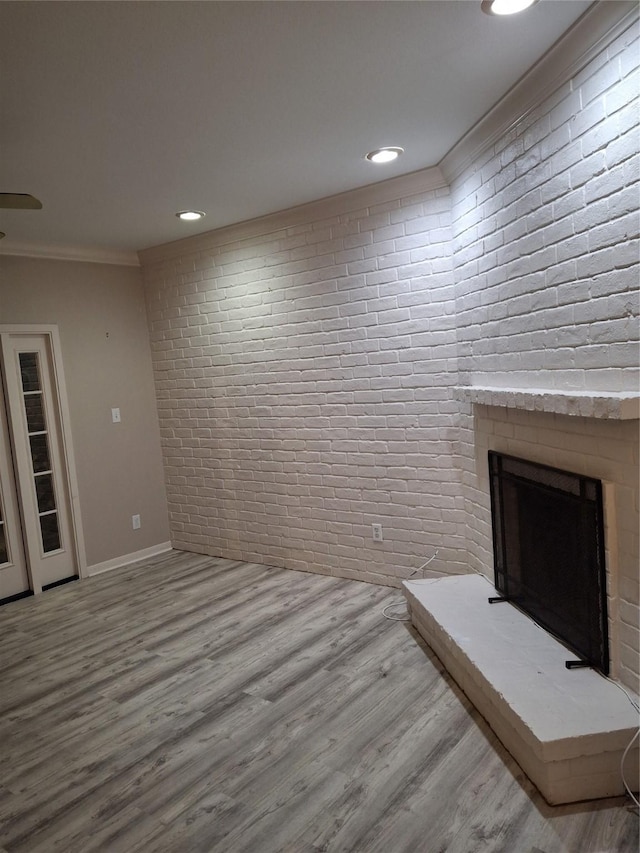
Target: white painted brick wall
546 267
306 376
546 240
305 390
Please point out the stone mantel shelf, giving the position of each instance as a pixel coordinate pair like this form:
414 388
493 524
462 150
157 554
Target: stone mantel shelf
612 405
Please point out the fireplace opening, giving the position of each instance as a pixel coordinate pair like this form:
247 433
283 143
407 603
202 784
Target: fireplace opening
548 544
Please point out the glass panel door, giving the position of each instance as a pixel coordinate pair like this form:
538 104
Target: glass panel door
14 576
42 479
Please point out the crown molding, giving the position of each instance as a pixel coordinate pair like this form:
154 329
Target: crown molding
601 24
403 186
69 253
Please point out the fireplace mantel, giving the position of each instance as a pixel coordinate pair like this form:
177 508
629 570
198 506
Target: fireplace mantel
611 405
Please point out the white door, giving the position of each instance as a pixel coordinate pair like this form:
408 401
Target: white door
14 577
42 483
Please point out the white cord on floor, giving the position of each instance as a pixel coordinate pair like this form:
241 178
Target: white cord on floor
404 617
624 781
630 744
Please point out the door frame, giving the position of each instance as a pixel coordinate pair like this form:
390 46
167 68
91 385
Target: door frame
51 333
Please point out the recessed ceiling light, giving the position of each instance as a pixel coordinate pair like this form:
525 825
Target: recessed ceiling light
190 215
505 7
384 155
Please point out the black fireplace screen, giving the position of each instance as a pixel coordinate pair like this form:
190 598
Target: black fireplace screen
548 541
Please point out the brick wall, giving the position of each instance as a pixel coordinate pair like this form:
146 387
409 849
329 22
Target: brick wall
305 381
546 268
546 239
306 373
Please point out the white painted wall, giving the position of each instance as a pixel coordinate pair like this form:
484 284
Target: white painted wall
305 366
305 381
546 239
546 269
100 313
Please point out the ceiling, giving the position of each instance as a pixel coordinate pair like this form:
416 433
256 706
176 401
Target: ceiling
118 114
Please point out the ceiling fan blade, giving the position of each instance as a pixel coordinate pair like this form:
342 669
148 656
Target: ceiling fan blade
19 201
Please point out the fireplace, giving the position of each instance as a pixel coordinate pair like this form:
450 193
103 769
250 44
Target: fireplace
549 556
567 730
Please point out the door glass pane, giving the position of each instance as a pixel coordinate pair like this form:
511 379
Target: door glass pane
50 532
44 490
40 453
33 399
35 413
29 371
4 545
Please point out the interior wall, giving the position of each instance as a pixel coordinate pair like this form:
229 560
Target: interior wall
100 312
306 374
305 387
546 267
546 239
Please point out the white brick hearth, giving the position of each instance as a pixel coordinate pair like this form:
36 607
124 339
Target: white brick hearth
566 728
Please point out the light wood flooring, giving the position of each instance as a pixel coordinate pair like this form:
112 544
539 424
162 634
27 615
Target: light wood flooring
197 704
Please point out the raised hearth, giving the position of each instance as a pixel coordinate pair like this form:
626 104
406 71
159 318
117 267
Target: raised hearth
566 728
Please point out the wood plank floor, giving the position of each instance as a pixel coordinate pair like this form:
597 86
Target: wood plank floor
197 704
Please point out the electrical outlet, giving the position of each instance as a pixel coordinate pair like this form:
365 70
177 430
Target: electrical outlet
135 521
115 416
376 532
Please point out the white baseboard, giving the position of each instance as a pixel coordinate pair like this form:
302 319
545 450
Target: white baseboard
127 559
